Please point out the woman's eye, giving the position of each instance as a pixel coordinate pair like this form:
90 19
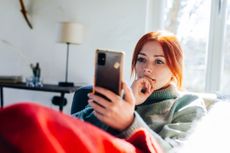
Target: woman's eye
140 59
159 61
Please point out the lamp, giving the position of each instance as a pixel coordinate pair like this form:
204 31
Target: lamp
70 33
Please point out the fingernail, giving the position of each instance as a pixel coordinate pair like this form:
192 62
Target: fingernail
89 94
90 100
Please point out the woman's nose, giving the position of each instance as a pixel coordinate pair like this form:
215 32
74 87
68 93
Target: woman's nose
147 70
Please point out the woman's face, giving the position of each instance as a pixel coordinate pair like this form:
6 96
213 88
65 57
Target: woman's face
151 63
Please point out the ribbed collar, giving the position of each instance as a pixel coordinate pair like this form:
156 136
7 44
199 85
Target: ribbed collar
170 92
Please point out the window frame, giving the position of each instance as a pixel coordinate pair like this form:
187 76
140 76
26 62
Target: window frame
215 52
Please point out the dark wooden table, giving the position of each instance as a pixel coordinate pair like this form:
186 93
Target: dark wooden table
56 100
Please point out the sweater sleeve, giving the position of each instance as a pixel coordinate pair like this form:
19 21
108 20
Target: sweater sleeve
87 115
140 123
175 130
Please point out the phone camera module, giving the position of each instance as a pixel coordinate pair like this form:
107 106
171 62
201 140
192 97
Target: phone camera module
101 59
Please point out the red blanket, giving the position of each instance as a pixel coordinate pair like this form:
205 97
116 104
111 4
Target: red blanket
31 128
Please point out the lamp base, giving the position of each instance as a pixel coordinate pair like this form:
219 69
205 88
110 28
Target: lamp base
66 84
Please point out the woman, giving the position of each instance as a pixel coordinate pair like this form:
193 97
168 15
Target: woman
154 101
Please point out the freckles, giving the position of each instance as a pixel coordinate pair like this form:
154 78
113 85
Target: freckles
138 68
139 71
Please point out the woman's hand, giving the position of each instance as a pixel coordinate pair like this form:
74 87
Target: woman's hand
142 89
117 113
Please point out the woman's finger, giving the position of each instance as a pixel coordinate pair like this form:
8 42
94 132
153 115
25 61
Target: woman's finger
150 84
103 102
129 97
97 107
107 93
101 117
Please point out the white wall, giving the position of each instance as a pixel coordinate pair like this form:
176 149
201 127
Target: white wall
113 24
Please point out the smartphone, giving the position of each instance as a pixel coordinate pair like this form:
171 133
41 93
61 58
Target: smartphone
109 70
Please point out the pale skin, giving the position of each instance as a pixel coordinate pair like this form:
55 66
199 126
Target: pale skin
152 73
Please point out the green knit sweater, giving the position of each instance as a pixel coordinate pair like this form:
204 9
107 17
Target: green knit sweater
168 115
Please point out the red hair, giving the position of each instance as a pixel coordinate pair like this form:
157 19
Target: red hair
172 51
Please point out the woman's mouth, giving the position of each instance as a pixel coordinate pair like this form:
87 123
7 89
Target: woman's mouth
153 80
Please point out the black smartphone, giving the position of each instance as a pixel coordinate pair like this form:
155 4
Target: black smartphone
109 70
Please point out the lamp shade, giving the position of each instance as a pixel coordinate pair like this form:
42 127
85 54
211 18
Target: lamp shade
71 32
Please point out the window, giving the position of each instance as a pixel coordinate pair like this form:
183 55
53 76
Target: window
189 20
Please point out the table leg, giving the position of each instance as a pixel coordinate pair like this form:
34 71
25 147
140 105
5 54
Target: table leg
1 97
61 101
